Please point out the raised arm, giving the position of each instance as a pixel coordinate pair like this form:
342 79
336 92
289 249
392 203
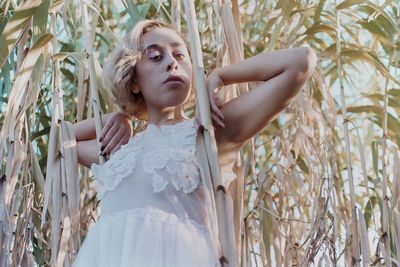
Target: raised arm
85 130
284 72
115 133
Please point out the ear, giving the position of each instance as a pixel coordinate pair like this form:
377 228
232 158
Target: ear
135 89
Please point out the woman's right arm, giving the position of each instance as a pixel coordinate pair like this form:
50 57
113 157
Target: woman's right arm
87 152
115 133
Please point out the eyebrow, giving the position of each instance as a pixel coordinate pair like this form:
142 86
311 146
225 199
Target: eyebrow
156 46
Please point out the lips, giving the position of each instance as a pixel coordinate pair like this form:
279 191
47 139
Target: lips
174 78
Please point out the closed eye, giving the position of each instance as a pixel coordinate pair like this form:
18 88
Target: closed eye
156 58
179 56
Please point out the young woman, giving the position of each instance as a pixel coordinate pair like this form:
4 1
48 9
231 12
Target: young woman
152 203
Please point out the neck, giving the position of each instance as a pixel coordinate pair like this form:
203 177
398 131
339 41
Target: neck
169 115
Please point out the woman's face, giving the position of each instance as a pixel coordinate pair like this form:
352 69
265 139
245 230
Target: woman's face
164 73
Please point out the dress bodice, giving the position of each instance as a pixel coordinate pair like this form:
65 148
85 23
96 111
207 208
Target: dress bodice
154 178
166 147
156 168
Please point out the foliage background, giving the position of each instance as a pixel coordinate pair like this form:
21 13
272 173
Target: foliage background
301 187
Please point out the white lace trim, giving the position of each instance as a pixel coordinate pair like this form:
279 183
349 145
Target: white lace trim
174 152
155 213
158 182
182 166
119 166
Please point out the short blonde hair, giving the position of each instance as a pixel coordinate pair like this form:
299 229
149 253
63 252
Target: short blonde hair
119 74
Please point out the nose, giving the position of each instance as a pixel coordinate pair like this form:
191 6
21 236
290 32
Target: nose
172 64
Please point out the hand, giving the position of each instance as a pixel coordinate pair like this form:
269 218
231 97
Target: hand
213 82
116 132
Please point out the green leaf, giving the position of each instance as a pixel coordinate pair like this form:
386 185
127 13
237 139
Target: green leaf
316 28
349 3
302 164
12 32
79 56
367 108
368 57
35 79
40 18
368 210
267 225
136 12
3 20
318 10
374 150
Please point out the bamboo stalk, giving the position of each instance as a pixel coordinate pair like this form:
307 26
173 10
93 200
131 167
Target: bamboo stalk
232 38
4 222
12 128
56 171
364 240
209 191
81 92
385 198
93 80
354 230
176 15
72 192
229 16
396 220
204 104
226 236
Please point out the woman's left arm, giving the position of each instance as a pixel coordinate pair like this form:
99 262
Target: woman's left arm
284 72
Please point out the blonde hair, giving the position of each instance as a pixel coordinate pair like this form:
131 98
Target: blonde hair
119 75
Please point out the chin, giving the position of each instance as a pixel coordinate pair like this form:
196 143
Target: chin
177 100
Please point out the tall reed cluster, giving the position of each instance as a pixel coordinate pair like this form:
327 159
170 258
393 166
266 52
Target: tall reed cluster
318 185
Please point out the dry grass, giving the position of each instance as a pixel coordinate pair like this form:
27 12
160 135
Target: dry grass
319 185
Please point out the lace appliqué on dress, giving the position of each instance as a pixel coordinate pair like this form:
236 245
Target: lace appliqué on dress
174 152
119 166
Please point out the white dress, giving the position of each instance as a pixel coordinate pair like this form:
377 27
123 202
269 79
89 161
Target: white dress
152 208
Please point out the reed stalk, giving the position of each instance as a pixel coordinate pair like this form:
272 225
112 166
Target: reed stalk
93 79
222 196
229 15
284 190
385 198
354 229
176 14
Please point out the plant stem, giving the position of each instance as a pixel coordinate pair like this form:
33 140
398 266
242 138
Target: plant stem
354 230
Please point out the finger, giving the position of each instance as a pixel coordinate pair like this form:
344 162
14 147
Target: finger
110 134
113 142
125 137
106 128
105 156
117 146
218 101
214 107
217 120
